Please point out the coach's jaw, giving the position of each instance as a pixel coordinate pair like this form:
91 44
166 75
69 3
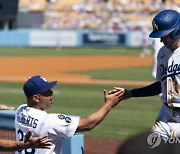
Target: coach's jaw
41 100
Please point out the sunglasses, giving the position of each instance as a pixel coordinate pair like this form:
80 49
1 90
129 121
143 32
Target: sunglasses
46 93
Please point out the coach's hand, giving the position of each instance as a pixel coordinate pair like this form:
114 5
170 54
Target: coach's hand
126 93
5 107
113 98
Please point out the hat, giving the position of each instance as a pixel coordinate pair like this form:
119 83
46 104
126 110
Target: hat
37 84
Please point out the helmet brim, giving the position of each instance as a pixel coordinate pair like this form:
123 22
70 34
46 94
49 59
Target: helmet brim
158 33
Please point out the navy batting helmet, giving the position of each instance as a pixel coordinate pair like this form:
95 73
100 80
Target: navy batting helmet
166 22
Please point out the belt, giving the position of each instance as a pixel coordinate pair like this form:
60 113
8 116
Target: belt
177 109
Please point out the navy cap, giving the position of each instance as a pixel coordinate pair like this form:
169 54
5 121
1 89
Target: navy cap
37 84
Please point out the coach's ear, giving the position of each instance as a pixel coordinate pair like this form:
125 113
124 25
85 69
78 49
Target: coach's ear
35 98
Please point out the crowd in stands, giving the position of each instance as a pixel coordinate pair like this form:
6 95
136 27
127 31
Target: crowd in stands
110 15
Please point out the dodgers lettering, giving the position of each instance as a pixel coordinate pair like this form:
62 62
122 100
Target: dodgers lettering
27 120
171 70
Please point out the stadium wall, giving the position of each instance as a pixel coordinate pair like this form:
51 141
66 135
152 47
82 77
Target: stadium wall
7 131
68 38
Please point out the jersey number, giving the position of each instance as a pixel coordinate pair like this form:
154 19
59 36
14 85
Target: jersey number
21 138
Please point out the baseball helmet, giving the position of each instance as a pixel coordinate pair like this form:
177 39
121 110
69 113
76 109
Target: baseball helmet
166 22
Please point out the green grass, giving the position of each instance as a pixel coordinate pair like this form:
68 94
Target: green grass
137 73
128 118
68 51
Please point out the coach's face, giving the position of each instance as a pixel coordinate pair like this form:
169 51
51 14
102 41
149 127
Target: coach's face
45 100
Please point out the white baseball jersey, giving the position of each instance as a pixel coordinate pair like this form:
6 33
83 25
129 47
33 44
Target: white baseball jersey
40 122
168 73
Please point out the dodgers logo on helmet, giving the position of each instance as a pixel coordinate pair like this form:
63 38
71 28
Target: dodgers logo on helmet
155 27
166 22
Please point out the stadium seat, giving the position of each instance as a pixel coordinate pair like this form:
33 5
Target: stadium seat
24 4
70 2
37 5
129 11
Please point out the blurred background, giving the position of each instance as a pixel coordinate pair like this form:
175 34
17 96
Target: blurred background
69 32
79 22
110 15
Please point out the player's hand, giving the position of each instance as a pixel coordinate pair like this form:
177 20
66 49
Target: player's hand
38 142
113 98
115 90
126 93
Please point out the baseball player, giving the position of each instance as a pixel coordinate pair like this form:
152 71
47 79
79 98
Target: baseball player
166 26
34 116
29 142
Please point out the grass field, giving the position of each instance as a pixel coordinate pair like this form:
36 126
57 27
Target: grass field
128 118
68 51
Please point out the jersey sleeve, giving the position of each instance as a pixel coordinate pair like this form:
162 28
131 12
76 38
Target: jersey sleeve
62 125
150 90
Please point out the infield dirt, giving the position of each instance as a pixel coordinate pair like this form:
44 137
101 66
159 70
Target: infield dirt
60 68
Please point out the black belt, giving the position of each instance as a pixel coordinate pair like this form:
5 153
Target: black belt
177 109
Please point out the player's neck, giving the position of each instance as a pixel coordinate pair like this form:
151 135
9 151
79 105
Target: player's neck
178 43
175 45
